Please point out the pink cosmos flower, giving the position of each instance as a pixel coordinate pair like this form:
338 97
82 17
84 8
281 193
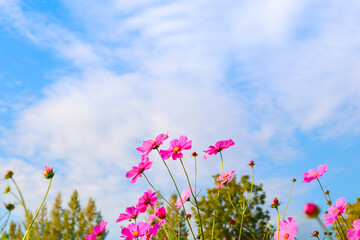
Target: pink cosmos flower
313 174
134 230
132 213
335 210
354 233
226 178
149 145
136 172
151 232
145 200
219 146
160 212
97 230
288 230
176 146
311 210
185 195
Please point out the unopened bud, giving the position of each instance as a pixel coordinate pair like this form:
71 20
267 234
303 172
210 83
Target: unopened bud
293 179
232 222
194 154
251 163
329 202
266 229
327 192
8 174
315 233
48 172
188 215
311 210
9 206
275 203
7 189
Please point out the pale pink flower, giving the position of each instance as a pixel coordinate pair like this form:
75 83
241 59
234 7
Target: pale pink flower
313 174
132 213
176 146
219 146
185 195
149 145
137 171
134 230
97 230
354 233
226 178
288 230
335 210
148 198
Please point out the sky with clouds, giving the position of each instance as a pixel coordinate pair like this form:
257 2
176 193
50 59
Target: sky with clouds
84 83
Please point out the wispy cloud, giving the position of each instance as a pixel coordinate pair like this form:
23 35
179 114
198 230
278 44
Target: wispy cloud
256 71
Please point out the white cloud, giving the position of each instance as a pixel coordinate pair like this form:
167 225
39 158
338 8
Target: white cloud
205 69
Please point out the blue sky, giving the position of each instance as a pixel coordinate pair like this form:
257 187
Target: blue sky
84 83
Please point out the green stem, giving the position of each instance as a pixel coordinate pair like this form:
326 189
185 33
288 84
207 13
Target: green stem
344 221
166 233
323 192
287 204
323 226
231 202
196 202
217 198
195 173
342 230
7 220
161 195
248 201
22 202
37 212
177 189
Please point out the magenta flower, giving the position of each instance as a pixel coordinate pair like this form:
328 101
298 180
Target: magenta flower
311 210
226 178
335 210
132 213
313 174
185 195
136 172
176 146
288 230
135 230
160 212
219 146
354 233
152 232
149 145
97 230
148 198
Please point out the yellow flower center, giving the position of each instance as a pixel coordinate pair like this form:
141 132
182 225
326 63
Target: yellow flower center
286 236
315 175
185 197
336 210
225 175
135 233
176 149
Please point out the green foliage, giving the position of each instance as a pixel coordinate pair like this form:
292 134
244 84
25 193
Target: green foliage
253 223
62 224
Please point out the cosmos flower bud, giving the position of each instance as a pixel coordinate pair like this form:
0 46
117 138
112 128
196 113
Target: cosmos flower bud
266 229
311 210
188 215
7 189
327 192
275 203
48 172
8 174
232 222
9 206
293 179
251 163
194 154
315 233
329 202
